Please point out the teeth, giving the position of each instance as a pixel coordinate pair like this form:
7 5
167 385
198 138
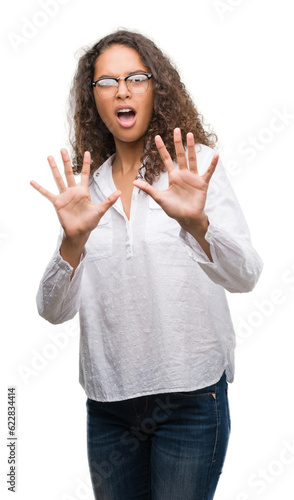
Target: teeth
126 110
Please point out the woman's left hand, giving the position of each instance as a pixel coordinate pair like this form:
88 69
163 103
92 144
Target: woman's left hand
185 198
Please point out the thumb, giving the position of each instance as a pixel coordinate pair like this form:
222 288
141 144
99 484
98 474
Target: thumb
145 186
106 204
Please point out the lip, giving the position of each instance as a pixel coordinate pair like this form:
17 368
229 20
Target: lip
132 122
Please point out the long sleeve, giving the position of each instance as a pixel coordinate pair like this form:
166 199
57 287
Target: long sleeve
236 265
58 297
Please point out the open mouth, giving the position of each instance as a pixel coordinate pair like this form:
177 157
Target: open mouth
126 117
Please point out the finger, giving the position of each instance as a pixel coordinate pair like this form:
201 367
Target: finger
180 151
145 186
164 154
67 168
106 204
192 160
209 172
56 174
86 169
43 191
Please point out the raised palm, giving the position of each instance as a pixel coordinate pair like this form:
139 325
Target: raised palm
184 199
76 212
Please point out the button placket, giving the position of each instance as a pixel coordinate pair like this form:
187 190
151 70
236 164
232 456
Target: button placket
129 242
129 223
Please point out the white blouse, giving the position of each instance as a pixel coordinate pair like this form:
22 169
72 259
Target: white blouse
153 311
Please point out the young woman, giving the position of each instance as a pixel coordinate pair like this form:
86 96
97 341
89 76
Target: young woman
151 238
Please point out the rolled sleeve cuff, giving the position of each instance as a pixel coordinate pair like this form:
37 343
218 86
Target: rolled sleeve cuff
235 266
58 264
195 250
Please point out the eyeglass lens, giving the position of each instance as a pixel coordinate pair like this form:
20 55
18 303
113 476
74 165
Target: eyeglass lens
137 84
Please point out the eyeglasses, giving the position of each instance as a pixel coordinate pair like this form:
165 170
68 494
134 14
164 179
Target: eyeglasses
137 83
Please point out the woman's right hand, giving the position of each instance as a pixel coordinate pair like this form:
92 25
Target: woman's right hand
76 212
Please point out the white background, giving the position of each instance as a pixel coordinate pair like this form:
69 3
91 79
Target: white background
236 58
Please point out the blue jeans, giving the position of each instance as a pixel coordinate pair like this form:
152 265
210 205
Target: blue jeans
162 447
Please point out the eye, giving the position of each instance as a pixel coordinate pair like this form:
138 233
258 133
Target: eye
137 78
107 82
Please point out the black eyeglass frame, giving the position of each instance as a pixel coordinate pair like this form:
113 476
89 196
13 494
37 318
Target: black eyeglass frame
149 75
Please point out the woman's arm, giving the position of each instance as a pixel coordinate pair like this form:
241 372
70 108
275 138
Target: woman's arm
235 264
58 295
213 227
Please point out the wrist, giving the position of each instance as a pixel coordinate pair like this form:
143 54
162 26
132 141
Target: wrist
71 249
74 243
197 228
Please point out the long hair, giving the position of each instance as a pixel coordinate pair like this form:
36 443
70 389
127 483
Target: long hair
173 107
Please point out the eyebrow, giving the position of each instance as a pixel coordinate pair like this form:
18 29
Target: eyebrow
131 73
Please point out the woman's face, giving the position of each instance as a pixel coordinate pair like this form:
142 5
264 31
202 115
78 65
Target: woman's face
119 61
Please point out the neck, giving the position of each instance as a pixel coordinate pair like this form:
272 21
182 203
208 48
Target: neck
128 157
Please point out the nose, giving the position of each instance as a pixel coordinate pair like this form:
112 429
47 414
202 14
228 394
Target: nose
122 89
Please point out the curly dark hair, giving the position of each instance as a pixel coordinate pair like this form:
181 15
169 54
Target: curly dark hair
173 107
